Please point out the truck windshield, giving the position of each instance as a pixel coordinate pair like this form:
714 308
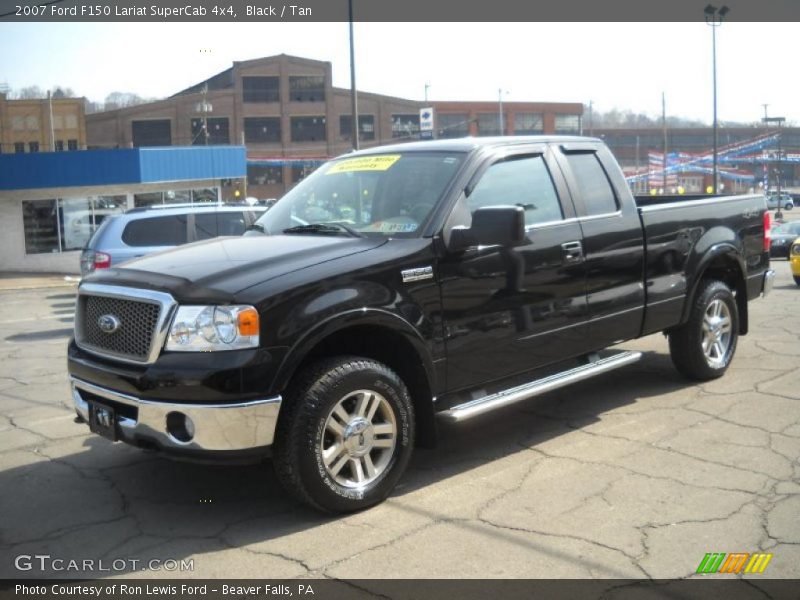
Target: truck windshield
389 194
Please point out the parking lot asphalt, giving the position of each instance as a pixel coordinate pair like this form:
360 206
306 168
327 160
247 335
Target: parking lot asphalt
638 473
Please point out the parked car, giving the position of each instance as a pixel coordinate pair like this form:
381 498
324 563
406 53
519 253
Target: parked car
786 201
141 231
443 279
794 260
782 236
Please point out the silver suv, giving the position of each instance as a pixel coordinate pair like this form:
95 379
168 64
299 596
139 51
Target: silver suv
141 231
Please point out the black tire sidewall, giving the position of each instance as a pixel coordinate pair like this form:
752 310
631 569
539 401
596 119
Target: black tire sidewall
324 396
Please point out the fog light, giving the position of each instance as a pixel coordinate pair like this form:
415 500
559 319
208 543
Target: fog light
180 427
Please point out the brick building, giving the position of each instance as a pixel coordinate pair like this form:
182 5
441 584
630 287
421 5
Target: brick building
458 119
287 113
41 125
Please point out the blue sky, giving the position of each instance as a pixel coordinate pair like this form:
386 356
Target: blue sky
615 65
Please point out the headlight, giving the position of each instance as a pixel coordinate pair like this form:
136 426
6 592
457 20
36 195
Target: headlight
207 328
796 250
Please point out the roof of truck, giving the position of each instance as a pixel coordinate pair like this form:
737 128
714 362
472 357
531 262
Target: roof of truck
467 144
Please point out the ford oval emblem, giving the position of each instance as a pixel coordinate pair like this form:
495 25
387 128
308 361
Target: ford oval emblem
108 323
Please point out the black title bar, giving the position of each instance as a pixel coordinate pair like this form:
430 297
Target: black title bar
391 10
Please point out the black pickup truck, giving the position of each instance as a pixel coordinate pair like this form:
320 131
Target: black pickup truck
403 284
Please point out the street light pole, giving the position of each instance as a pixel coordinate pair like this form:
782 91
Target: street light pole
353 99
779 121
500 109
714 18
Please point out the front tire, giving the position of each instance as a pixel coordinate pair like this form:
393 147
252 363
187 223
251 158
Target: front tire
345 434
702 348
797 280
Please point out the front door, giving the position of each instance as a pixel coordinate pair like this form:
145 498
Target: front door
510 310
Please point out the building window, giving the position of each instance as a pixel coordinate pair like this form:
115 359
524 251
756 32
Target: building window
366 127
307 88
489 124
72 121
262 130
40 226
18 123
205 195
33 146
59 225
452 125
261 89
210 131
264 174
405 126
156 132
72 144
148 199
528 123
308 129
568 124
19 147
59 145
301 171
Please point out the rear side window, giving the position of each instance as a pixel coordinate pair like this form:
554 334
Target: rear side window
205 226
156 231
595 189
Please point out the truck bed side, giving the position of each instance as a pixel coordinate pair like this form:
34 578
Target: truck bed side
688 239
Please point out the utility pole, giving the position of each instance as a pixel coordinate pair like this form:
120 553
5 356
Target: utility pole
500 109
591 119
765 110
427 85
353 99
52 129
714 18
664 124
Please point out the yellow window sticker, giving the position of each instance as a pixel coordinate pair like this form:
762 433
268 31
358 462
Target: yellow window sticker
364 163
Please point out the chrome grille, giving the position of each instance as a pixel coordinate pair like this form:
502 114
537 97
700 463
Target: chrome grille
141 317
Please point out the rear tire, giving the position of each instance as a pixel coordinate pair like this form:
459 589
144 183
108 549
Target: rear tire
345 434
797 280
702 348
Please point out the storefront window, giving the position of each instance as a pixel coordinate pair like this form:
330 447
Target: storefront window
148 199
64 224
40 223
205 195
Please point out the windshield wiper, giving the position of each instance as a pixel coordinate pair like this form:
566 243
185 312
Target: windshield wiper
323 228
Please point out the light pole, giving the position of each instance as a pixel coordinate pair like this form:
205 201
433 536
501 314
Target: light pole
353 99
500 92
779 121
714 18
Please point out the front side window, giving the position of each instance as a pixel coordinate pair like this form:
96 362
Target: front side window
593 185
375 195
524 182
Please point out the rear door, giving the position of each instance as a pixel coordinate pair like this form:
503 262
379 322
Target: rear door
613 242
510 310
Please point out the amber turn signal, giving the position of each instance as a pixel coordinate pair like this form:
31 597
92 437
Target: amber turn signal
247 321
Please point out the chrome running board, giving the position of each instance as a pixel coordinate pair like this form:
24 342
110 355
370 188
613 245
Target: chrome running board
479 406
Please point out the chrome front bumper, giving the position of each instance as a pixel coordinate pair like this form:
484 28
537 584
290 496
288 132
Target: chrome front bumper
217 427
769 281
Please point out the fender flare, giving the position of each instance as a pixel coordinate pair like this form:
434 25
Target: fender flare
729 250
373 317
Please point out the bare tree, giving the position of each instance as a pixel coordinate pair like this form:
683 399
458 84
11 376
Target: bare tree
30 92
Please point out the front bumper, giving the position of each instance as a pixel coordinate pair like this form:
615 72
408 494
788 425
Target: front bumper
218 429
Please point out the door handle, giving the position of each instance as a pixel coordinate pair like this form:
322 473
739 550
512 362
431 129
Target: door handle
573 252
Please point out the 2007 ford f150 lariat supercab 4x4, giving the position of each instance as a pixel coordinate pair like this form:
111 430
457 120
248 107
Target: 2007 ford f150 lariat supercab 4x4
402 284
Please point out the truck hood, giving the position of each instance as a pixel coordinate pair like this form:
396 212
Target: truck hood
217 269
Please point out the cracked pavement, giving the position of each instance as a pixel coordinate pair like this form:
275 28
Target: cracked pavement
635 474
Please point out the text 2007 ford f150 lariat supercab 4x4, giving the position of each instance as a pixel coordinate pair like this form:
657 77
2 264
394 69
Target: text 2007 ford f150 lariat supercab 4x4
402 284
